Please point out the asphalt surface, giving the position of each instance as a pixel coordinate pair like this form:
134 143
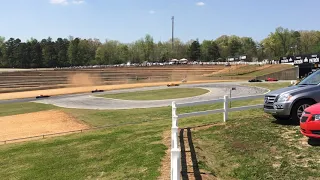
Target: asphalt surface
90 101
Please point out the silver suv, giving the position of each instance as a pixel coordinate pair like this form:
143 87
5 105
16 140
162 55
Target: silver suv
290 102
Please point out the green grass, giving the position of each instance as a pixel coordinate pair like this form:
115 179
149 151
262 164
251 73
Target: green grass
21 108
246 148
269 85
132 151
170 93
251 146
120 153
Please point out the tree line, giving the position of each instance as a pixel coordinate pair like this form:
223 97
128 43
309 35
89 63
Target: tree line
64 52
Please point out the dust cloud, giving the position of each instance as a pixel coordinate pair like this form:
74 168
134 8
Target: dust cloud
84 79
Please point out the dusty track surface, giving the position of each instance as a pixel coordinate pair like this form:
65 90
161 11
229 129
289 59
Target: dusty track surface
74 90
38 123
88 101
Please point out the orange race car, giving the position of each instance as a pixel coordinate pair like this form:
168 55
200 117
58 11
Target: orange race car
172 84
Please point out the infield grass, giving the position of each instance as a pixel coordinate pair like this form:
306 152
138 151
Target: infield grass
269 85
169 93
22 108
249 146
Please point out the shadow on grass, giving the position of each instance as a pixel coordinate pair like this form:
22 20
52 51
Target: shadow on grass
285 123
314 142
196 174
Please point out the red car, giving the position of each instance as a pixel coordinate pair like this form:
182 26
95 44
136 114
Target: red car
271 79
310 121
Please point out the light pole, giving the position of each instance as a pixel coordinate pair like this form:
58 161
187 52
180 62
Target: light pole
172 32
294 49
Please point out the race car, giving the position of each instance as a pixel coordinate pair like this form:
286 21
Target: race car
271 79
310 121
42 96
255 80
95 91
172 84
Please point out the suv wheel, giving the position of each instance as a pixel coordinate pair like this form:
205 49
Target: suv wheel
298 109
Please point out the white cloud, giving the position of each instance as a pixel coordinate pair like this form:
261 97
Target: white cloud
78 1
152 12
63 2
200 4
66 2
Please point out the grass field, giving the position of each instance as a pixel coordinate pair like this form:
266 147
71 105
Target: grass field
249 146
253 146
170 93
130 151
269 85
21 108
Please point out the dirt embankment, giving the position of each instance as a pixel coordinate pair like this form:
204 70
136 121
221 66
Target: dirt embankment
86 89
37 123
84 79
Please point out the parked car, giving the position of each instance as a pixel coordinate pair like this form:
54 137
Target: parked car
271 79
290 102
310 121
255 80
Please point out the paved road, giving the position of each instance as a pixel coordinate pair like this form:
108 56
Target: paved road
89 101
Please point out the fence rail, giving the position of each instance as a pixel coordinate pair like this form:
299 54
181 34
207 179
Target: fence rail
175 149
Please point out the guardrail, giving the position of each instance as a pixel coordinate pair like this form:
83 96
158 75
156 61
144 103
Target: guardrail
175 149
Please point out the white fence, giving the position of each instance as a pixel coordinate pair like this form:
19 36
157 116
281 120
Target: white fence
175 149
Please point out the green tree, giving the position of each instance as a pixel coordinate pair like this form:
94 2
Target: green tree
248 47
223 44
24 55
10 52
49 54
309 40
36 53
2 41
234 46
93 46
123 54
213 51
61 49
148 48
205 50
283 36
73 52
195 51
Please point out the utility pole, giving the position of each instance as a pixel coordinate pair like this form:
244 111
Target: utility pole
172 32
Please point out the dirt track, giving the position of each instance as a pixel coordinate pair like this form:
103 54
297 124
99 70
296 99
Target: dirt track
38 123
74 90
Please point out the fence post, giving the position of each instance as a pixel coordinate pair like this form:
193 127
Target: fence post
175 151
226 108
174 127
175 162
174 109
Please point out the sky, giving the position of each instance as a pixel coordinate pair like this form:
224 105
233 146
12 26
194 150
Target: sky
130 20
